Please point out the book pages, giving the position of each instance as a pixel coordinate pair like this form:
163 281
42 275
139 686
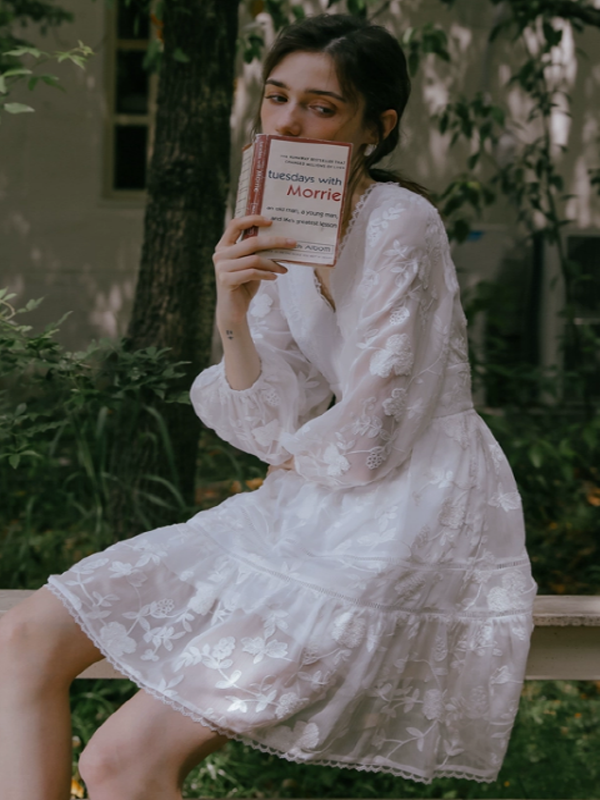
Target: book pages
241 201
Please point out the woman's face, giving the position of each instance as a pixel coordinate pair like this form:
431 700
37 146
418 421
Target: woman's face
302 97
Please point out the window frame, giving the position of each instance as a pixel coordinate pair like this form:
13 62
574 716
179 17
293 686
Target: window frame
114 118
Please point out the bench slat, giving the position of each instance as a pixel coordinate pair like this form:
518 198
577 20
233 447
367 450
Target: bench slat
565 644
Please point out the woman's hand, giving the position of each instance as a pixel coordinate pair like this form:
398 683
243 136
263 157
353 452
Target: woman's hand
240 267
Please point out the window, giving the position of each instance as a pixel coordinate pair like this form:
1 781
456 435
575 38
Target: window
130 91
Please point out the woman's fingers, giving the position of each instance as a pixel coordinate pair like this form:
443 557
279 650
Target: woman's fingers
240 265
232 266
255 244
240 224
233 280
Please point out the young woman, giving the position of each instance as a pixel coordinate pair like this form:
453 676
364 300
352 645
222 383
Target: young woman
370 605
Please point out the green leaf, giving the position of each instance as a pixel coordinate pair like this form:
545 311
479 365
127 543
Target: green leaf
33 303
536 456
22 51
3 89
16 108
413 62
16 71
461 230
357 7
153 55
497 115
79 60
14 461
472 160
180 56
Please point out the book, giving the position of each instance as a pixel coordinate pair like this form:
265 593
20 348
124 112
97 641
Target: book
301 185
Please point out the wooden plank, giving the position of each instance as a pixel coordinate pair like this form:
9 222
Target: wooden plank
565 644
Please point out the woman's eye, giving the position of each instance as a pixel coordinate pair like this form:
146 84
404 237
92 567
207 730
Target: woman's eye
276 98
325 111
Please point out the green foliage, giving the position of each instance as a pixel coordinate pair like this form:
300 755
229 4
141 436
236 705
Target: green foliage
417 42
552 444
529 178
61 415
555 457
284 12
19 60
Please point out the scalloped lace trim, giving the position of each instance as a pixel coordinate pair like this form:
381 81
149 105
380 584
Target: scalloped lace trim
399 771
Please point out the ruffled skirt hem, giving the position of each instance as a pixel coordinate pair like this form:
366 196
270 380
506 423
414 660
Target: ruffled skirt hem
377 764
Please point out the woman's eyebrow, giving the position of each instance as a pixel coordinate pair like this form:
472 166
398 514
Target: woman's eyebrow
322 92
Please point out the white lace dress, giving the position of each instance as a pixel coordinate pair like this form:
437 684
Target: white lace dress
371 609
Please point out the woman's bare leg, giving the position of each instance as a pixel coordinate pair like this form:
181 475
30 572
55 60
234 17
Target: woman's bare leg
144 752
41 650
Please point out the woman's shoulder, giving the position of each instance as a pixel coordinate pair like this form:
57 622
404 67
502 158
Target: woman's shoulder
389 208
382 195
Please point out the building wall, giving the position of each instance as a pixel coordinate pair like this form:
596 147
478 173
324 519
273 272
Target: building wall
62 239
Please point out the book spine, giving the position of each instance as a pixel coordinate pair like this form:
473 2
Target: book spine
257 180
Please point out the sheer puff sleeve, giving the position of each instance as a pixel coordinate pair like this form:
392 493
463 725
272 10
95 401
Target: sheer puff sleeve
396 359
288 392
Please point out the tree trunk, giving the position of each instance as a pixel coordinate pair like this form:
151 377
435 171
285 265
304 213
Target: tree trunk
187 190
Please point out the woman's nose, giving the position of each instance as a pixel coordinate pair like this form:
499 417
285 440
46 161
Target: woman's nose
288 123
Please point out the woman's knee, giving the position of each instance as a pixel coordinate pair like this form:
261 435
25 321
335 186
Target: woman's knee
39 633
19 633
114 766
99 764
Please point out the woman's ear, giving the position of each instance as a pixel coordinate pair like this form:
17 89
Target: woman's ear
389 120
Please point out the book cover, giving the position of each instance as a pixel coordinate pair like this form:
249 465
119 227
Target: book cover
301 185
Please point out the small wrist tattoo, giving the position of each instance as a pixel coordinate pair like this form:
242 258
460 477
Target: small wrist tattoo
229 334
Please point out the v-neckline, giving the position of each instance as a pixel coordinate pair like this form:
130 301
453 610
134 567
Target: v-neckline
326 295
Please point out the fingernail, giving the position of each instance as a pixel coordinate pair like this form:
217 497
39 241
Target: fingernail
291 241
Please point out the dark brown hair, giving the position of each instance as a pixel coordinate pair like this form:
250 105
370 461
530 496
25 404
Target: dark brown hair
369 63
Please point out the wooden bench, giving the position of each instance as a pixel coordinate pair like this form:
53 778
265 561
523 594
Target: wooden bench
565 643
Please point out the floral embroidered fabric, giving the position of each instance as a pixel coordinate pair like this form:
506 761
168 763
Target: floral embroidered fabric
371 609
